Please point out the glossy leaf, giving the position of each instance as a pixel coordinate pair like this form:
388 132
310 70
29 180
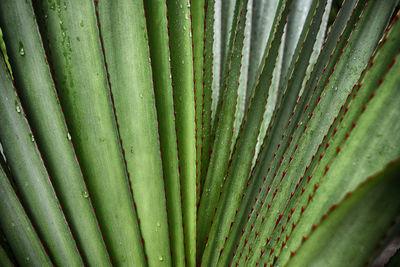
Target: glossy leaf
74 40
353 227
39 97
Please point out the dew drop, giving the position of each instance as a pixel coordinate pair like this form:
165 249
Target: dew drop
141 95
21 49
60 22
183 62
69 136
85 194
28 259
18 109
32 137
161 258
158 224
184 28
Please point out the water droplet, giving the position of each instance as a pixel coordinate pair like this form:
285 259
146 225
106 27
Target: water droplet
32 137
85 194
188 4
63 34
18 109
183 62
141 95
69 136
180 6
158 224
28 259
184 28
21 49
186 16
60 22
161 258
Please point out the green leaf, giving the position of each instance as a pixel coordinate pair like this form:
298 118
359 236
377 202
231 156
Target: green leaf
197 11
236 178
275 192
211 133
214 15
240 108
209 81
128 63
352 228
261 23
299 11
229 15
4 259
3 163
39 97
183 90
3 50
78 66
358 120
31 177
291 90
20 234
229 22
156 15
221 150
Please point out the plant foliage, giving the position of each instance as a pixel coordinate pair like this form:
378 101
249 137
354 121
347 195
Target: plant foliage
199 133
